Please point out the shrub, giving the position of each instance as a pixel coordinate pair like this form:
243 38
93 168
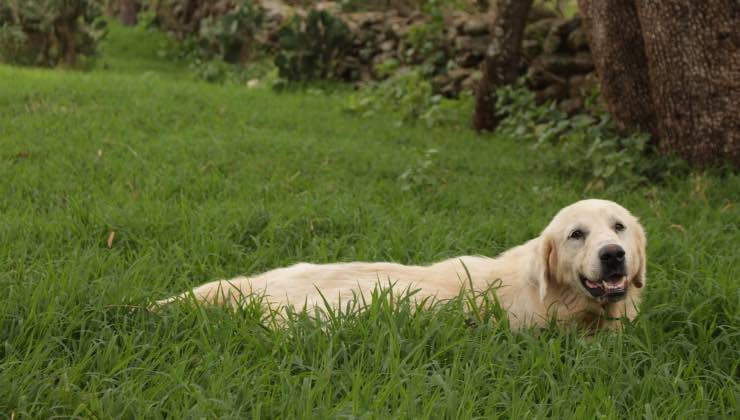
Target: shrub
422 174
310 47
426 42
215 38
587 145
49 32
229 36
410 96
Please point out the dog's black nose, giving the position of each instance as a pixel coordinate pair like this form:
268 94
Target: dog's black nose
612 258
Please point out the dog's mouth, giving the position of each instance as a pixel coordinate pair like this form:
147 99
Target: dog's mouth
612 288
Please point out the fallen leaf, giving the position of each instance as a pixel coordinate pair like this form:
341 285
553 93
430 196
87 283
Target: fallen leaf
111 237
679 227
132 188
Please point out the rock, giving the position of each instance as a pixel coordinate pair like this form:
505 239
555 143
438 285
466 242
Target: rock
388 45
458 74
575 84
565 65
367 19
582 85
531 48
416 16
459 18
571 105
472 44
537 13
552 43
468 60
365 54
475 26
471 82
449 84
331 7
449 90
554 92
539 78
584 62
348 68
577 40
440 81
383 57
539 29
563 27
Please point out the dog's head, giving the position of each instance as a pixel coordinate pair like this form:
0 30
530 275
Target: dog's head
595 247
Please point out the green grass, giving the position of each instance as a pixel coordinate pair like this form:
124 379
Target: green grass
203 181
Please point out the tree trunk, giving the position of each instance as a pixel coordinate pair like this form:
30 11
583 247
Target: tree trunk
671 67
502 59
127 12
615 39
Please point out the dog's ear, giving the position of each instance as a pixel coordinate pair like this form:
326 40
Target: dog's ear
641 243
544 263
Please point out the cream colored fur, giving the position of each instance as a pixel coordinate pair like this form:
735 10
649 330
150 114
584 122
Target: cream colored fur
538 280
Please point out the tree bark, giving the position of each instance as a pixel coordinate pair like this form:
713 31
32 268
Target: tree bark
694 50
502 59
615 38
127 13
671 67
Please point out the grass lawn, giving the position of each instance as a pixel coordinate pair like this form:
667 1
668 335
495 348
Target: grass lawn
202 181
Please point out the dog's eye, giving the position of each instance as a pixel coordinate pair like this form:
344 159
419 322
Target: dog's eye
576 234
618 227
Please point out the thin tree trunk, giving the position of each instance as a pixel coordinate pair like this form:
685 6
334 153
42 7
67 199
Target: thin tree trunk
127 13
502 59
615 38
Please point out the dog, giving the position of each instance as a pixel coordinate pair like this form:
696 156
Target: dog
587 267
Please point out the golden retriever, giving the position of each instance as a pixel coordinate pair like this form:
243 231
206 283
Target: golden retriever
587 267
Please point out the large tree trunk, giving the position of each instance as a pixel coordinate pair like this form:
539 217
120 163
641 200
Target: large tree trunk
671 67
502 59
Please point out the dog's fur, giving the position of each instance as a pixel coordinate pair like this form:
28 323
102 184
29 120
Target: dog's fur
540 280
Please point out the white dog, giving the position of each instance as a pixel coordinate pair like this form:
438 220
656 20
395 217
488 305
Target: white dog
587 267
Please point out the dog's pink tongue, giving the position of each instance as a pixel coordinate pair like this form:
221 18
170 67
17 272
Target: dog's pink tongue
592 285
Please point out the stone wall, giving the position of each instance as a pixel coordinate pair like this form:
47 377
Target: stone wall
556 58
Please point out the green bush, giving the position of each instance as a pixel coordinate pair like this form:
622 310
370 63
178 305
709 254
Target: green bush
426 43
310 47
229 36
49 32
410 96
216 39
587 145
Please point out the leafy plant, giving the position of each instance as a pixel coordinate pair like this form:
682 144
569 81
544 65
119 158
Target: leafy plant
229 36
386 68
411 97
421 174
216 39
587 145
49 32
310 47
426 42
